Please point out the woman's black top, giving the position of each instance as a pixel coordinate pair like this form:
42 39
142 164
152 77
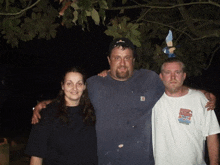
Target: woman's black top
59 143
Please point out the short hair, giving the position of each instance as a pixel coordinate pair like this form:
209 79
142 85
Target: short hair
174 59
124 43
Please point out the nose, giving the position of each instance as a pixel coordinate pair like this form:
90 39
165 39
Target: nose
122 62
173 76
74 87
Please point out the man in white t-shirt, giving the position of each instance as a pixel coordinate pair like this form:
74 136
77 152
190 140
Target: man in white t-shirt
181 123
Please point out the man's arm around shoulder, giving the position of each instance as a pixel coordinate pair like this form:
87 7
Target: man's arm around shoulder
36 111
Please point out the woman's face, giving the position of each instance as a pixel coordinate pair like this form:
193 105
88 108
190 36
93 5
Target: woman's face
73 87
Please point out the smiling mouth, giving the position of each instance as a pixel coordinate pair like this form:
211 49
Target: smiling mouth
123 69
74 93
173 83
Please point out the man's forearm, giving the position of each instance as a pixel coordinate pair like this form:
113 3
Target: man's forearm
48 101
213 149
36 160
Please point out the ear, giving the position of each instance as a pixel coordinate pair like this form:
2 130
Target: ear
62 86
84 87
160 75
109 61
133 61
184 76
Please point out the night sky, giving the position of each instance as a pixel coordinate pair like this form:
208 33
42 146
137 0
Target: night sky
33 71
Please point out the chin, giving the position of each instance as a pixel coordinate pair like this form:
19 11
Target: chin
122 75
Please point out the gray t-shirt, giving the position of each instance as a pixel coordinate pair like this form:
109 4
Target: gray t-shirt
123 111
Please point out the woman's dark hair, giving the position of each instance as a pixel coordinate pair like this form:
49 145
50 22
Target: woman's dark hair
85 104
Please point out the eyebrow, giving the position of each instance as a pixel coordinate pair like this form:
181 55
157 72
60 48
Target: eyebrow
71 80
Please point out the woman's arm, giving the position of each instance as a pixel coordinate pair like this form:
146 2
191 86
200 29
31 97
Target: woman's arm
36 160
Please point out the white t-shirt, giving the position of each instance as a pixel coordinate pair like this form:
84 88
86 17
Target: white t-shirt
180 126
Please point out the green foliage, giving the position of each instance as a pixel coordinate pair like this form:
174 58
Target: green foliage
195 25
84 9
121 27
39 23
124 2
103 4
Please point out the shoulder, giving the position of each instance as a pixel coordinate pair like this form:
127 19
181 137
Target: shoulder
197 94
146 72
196 97
95 82
147 75
95 79
91 79
50 110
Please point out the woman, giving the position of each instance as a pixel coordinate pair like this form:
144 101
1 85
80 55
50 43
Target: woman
66 133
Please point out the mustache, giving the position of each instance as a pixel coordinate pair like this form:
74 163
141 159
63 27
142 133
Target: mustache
173 81
122 67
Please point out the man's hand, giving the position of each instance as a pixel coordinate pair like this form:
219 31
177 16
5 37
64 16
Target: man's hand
212 100
36 111
104 73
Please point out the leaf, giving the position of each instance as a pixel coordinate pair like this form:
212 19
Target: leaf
135 32
75 14
88 13
112 32
33 15
102 15
124 1
85 4
75 6
129 25
83 16
135 26
135 41
95 16
122 11
103 4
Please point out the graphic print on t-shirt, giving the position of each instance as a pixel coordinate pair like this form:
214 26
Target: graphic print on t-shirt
185 116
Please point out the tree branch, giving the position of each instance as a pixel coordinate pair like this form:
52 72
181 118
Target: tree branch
213 54
181 31
142 16
11 14
164 7
20 15
162 24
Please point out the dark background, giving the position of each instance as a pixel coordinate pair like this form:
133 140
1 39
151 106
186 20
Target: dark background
33 71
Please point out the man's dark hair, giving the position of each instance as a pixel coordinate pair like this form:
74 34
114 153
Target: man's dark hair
174 59
124 43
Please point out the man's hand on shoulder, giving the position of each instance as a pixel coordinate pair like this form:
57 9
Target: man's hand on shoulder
104 73
36 111
212 100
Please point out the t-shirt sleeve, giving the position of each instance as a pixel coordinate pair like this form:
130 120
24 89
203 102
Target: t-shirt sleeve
211 123
155 85
37 142
92 84
158 85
